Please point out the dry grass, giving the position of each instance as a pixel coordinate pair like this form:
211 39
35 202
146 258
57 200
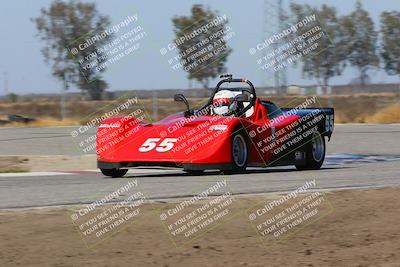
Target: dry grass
42 122
13 164
359 108
390 114
46 122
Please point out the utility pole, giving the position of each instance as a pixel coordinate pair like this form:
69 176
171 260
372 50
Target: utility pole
155 106
281 25
6 91
62 98
274 23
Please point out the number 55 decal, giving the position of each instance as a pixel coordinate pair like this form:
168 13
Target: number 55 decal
151 143
329 120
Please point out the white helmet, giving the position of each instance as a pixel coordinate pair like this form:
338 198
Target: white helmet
222 100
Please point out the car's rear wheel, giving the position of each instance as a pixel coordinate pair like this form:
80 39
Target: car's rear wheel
315 153
239 154
114 173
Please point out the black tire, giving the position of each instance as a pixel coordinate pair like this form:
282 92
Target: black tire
114 173
239 154
315 151
194 172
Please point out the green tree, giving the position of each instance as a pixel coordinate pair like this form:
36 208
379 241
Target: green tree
64 23
360 41
203 52
13 97
329 60
390 29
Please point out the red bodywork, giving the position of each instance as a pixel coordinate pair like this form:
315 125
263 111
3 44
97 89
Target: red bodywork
178 140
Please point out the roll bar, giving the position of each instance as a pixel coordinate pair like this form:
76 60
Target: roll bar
228 79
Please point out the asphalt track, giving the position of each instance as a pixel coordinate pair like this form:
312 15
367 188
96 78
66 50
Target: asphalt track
359 156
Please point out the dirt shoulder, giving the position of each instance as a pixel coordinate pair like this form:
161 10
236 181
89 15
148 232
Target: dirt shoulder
39 163
14 164
361 229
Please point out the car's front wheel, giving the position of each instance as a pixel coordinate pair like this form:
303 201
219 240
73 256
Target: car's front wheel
315 153
239 154
114 173
194 172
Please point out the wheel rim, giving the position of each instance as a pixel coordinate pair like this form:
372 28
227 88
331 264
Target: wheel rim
318 149
239 150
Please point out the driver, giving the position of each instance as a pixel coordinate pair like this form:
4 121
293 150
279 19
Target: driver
221 102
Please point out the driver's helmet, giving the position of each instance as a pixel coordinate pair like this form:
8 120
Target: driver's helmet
222 100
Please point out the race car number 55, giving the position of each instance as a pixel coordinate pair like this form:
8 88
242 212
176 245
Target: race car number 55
164 146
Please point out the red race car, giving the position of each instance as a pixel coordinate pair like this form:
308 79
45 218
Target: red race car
232 131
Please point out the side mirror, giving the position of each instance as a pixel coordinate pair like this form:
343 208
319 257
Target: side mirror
182 98
242 98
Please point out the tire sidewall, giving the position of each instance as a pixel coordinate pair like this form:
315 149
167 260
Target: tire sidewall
311 163
235 166
114 173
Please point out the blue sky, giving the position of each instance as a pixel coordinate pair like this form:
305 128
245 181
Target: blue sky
147 68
